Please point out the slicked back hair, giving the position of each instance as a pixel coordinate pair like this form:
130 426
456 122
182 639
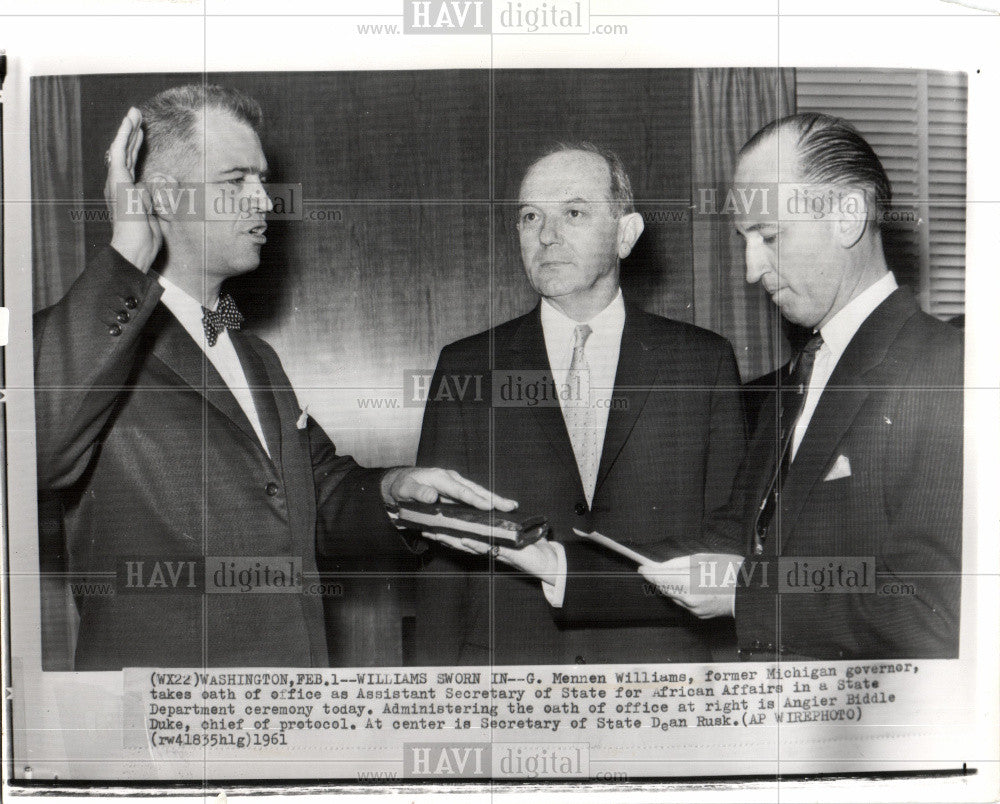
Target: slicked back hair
622 200
169 119
832 151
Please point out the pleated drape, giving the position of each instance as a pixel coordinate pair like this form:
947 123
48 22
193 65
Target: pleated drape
729 106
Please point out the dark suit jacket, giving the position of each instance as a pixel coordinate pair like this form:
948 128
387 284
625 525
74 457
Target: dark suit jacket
893 409
155 461
669 455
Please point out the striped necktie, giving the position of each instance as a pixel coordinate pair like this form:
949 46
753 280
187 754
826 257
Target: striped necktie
579 414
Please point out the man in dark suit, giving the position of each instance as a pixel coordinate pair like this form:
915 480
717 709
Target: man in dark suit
847 513
592 413
185 469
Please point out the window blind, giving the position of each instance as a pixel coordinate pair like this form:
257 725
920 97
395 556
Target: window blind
916 123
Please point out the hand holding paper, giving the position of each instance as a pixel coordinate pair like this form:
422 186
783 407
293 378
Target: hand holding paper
683 580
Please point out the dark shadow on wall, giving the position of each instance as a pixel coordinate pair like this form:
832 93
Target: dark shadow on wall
648 270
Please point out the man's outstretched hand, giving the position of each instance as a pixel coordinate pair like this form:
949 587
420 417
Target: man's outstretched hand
136 236
426 485
538 559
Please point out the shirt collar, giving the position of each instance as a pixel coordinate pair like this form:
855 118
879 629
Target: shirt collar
839 330
184 307
609 322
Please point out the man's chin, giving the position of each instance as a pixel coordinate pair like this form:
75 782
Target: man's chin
796 316
243 267
554 288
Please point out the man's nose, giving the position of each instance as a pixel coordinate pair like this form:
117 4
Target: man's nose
757 264
261 200
549 232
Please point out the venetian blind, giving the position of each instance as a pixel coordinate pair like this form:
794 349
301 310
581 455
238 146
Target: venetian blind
916 122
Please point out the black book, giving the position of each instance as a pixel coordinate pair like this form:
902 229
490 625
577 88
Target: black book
507 528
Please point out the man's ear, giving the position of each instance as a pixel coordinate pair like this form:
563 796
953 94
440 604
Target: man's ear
853 217
163 190
629 228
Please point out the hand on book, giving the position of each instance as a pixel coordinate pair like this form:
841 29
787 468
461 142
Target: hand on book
427 485
538 559
703 583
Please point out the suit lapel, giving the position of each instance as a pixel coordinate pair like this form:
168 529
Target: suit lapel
638 366
639 361
845 393
262 391
527 353
175 349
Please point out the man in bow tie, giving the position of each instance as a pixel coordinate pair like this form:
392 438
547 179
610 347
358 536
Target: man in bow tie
843 535
184 467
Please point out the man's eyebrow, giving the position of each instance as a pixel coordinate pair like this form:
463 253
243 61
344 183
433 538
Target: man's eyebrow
743 231
256 170
575 200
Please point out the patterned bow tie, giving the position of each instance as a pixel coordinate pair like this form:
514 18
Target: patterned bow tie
217 321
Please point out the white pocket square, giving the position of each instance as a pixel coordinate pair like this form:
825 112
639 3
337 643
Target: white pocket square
303 420
841 468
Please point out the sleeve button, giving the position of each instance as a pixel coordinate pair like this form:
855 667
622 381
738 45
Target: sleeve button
122 317
131 302
114 330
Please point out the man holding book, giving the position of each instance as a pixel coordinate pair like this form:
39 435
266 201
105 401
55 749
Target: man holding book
597 415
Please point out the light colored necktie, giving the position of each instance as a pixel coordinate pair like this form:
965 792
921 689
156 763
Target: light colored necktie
579 413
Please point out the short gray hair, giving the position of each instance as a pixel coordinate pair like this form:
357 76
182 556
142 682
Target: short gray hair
622 200
169 119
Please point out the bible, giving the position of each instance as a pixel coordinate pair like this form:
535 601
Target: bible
507 529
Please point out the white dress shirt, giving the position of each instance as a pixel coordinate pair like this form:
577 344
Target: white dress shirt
602 349
223 355
837 333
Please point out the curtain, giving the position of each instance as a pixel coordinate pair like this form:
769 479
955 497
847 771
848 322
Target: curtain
730 105
58 257
57 240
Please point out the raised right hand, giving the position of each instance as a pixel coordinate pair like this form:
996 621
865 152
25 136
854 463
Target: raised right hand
137 237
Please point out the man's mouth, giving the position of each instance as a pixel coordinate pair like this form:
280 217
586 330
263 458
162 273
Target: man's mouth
770 287
256 233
